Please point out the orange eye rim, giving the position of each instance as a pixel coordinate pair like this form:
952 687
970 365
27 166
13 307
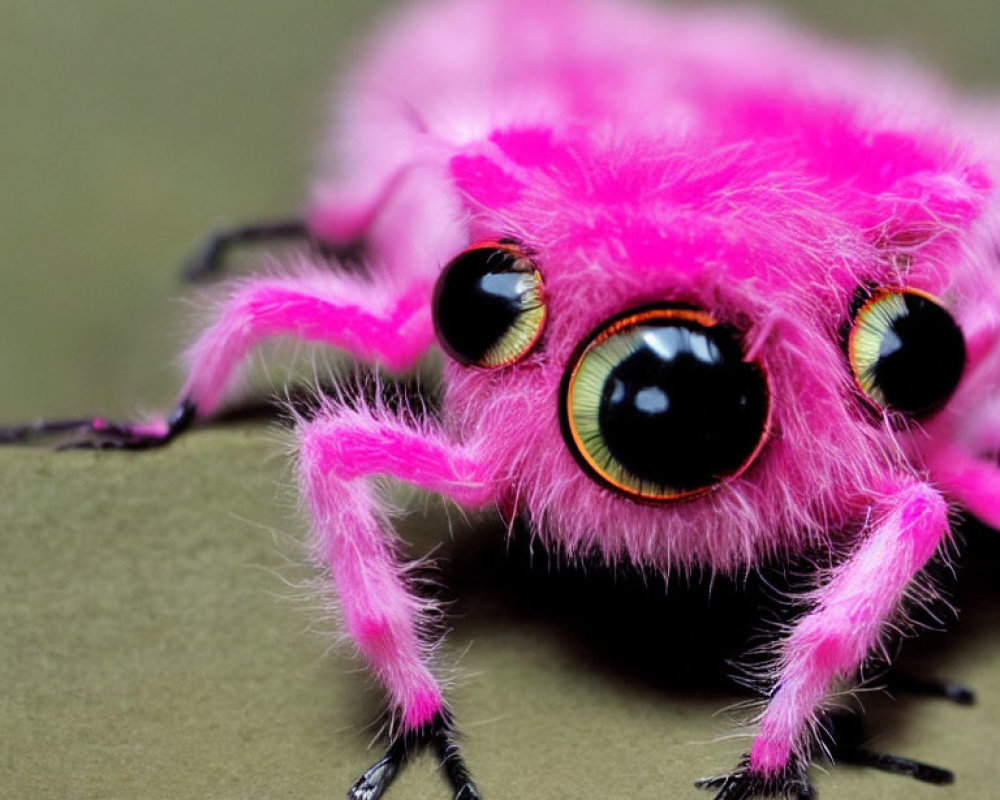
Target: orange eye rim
628 319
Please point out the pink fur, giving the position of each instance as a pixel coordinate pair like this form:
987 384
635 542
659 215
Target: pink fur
370 322
847 621
338 453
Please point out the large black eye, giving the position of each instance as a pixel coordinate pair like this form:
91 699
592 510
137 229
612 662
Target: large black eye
660 404
906 352
489 309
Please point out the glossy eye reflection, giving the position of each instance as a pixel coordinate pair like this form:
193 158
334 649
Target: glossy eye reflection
659 404
906 351
489 309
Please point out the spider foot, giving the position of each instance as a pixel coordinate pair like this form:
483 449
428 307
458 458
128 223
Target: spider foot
209 259
377 778
206 262
96 433
847 734
455 768
902 683
17 433
743 783
438 734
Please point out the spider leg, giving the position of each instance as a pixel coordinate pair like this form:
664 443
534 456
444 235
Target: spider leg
380 775
846 746
897 765
367 321
831 642
98 433
843 734
343 215
973 482
207 261
336 222
439 735
743 783
901 683
338 455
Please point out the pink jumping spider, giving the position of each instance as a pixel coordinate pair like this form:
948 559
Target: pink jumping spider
714 294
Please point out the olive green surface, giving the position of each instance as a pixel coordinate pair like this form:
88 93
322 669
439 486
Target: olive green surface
159 636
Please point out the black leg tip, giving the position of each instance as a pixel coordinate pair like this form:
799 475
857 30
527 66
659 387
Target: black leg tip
101 435
204 265
181 417
13 433
209 259
439 733
468 792
901 683
846 746
960 694
743 783
372 785
715 782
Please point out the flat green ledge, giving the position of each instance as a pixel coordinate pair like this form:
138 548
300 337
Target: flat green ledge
161 639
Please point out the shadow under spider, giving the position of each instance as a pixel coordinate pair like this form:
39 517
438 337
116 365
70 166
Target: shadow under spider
697 633
694 634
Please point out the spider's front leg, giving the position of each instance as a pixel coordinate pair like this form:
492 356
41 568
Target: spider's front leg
370 321
338 455
832 641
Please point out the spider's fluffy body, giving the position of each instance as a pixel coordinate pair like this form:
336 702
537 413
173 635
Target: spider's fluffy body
729 231
711 158
717 160
641 155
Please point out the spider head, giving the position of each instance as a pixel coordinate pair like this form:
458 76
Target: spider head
647 338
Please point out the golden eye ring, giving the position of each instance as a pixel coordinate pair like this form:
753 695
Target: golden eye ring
489 305
659 404
906 352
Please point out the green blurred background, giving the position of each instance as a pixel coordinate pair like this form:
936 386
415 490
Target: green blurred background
151 642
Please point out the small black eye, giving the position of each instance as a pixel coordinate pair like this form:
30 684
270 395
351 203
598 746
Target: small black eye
660 404
489 307
906 351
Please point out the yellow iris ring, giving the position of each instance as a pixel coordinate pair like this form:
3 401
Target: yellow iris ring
871 322
585 386
526 329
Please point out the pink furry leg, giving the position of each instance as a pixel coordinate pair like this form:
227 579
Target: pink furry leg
847 623
338 454
973 482
364 319
343 216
